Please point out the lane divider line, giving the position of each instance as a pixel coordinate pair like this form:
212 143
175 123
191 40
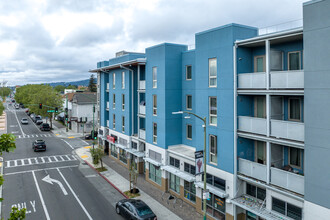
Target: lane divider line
68 144
41 198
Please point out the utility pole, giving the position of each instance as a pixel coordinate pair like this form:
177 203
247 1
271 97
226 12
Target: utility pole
66 113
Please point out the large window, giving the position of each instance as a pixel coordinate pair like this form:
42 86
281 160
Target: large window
215 181
175 162
113 80
154 105
154 77
190 191
155 156
294 60
295 157
123 80
216 207
188 73
113 150
213 72
123 124
154 133
189 168
174 183
255 191
286 209
213 111
113 121
114 101
189 102
123 102
260 152
189 132
155 174
294 109
122 156
213 148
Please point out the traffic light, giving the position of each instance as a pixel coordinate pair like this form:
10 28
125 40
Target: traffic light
40 105
66 117
94 135
56 109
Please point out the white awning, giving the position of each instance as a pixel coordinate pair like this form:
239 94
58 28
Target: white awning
152 161
121 146
135 152
179 173
257 207
212 189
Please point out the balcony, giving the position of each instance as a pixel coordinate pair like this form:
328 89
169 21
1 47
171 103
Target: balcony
142 85
142 109
108 87
108 106
252 125
142 134
252 169
288 130
108 123
252 81
287 180
287 79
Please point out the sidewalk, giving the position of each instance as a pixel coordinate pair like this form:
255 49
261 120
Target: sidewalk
60 131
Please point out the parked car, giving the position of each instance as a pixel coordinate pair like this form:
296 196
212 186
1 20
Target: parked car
17 106
32 115
24 121
27 111
134 209
36 118
39 145
88 136
39 122
44 127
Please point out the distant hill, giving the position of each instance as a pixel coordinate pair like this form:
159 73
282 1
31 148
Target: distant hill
76 83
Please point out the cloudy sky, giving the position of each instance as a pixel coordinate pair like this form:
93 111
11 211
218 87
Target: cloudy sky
60 40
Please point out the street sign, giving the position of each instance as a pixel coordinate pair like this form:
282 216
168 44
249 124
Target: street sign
50 110
199 162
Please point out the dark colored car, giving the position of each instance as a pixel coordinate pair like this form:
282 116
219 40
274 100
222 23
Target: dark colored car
134 209
39 145
88 136
44 127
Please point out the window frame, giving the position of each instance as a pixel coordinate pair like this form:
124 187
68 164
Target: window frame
256 191
286 207
175 162
123 124
300 156
187 131
123 102
187 101
114 81
215 155
216 75
154 107
187 66
114 121
289 109
176 185
291 52
263 63
154 77
154 136
213 115
114 101
123 80
189 194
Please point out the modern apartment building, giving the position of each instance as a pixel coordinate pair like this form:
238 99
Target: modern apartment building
263 97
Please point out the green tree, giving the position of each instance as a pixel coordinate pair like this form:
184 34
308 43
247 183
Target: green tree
91 84
97 154
59 88
4 92
17 214
1 108
71 86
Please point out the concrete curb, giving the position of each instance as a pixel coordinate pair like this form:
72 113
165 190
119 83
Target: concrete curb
106 179
1 161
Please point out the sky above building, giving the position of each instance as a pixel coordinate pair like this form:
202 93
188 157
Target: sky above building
52 40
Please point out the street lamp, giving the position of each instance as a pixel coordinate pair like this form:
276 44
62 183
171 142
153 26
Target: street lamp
204 126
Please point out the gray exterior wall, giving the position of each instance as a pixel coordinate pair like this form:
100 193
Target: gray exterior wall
317 101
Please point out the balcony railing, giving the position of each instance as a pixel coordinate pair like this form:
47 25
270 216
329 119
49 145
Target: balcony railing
252 81
287 180
142 134
287 79
142 85
252 169
252 124
142 109
108 86
288 130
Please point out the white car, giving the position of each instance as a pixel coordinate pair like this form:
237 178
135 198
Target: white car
24 121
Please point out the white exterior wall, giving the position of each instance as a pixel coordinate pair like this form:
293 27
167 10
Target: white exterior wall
83 111
314 211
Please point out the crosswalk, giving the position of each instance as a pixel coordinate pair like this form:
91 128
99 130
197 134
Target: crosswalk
34 135
39 160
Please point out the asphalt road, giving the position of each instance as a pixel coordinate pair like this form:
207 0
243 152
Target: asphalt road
53 184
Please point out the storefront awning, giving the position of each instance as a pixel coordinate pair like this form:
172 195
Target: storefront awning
121 146
179 173
212 189
135 152
152 161
257 207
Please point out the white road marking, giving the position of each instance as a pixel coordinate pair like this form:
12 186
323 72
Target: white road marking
22 162
74 194
33 204
40 195
45 169
49 159
85 142
30 162
47 179
55 158
36 135
61 158
14 132
67 144
68 157
19 124
15 163
8 163
42 159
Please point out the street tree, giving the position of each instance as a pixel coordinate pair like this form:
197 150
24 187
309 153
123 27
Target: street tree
59 88
97 154
71 86
92 84
4 92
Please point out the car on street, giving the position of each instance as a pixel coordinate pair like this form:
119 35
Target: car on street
44 127
17 106
24 121
36 118
39 145
32 115
39 122
134 209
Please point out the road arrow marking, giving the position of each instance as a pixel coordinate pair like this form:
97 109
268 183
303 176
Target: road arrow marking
50 180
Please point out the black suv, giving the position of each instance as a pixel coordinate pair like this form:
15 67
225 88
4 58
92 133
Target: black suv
38 145
44 127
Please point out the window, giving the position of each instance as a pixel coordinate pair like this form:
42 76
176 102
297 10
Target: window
155 156
259 64
188 73
175 162
174 183
215 181
114 121
122 156
154 105
123 102
154 77
213 111
113 150
189 168
189 132
255 191
189 102
123 80
113 80
190 191
294 109
260 152
213 72
294 60
114 101
215 207
260 106
295 157
213 148
154 133
155 174
123 124
134 145
286 209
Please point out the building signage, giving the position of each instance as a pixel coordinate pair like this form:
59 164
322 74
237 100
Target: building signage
199 162
111 139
